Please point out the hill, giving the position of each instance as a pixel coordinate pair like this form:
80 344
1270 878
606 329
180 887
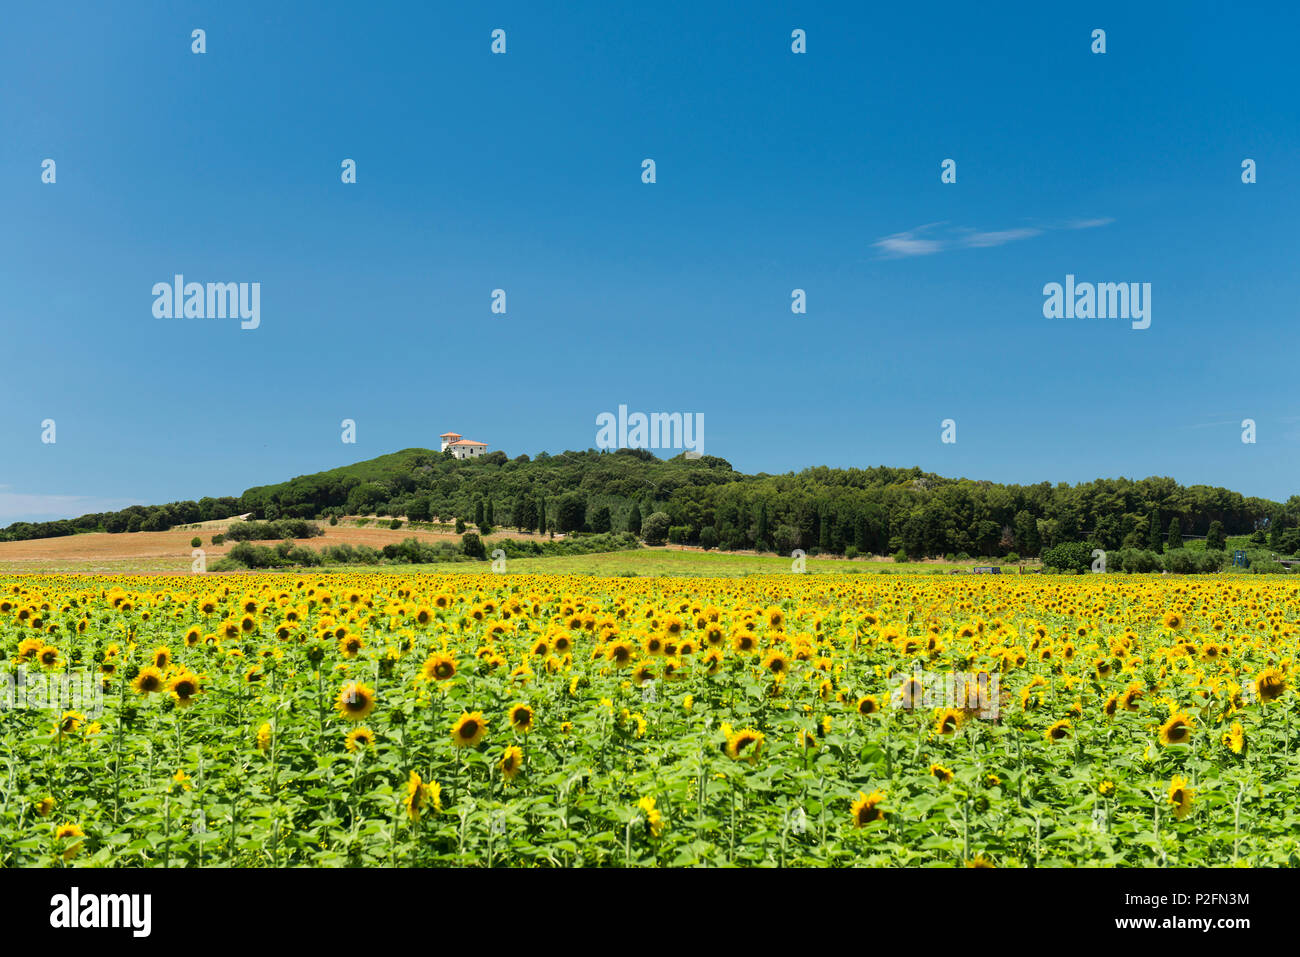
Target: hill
705 501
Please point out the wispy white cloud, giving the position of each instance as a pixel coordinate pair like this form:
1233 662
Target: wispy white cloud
938 237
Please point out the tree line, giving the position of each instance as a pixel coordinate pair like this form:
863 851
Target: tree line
705 502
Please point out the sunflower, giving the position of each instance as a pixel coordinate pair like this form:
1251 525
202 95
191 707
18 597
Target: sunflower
1059 731
745 745
148 681
439 666
423 615
73 834
1180 796
48 656
264 737
355 701
359 738
744 641
654 820
867 808
350 645
776 662
1235 739
44 806
512 760
620 652
1132 695
943 774
1177 730
1270 684
1173 621
521 717
70 723
868 704
468 729
947 721
416 796
184 686
162 657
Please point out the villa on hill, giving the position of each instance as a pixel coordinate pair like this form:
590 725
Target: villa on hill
462 448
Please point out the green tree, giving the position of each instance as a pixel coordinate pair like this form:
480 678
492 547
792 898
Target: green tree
654 530
1215 540
472 546
571 512
601 520
1155 541
1025 528
478 512
1175 533
634 520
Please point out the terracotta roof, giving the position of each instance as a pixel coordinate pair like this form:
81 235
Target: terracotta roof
468 442
452 435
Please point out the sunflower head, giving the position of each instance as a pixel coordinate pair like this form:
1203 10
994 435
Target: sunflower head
1177 730
867 808
355 701
1270 684
521 717
512 760
1180 797
745 745
468 730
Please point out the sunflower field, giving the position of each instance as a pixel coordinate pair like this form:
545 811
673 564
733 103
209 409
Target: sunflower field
507 720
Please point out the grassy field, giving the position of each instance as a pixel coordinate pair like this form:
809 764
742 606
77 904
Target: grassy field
169 553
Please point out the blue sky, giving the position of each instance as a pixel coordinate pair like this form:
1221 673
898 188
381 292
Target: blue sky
775 171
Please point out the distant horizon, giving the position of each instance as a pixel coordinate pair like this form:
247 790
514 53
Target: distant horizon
54 517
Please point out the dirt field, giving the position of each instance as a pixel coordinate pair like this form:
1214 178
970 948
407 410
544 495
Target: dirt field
156 553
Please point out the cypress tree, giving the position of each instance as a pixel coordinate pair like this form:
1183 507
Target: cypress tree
1154 540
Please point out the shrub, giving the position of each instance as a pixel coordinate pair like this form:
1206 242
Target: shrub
708 537
195 542
395 524
218 539
1068 556
679 534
